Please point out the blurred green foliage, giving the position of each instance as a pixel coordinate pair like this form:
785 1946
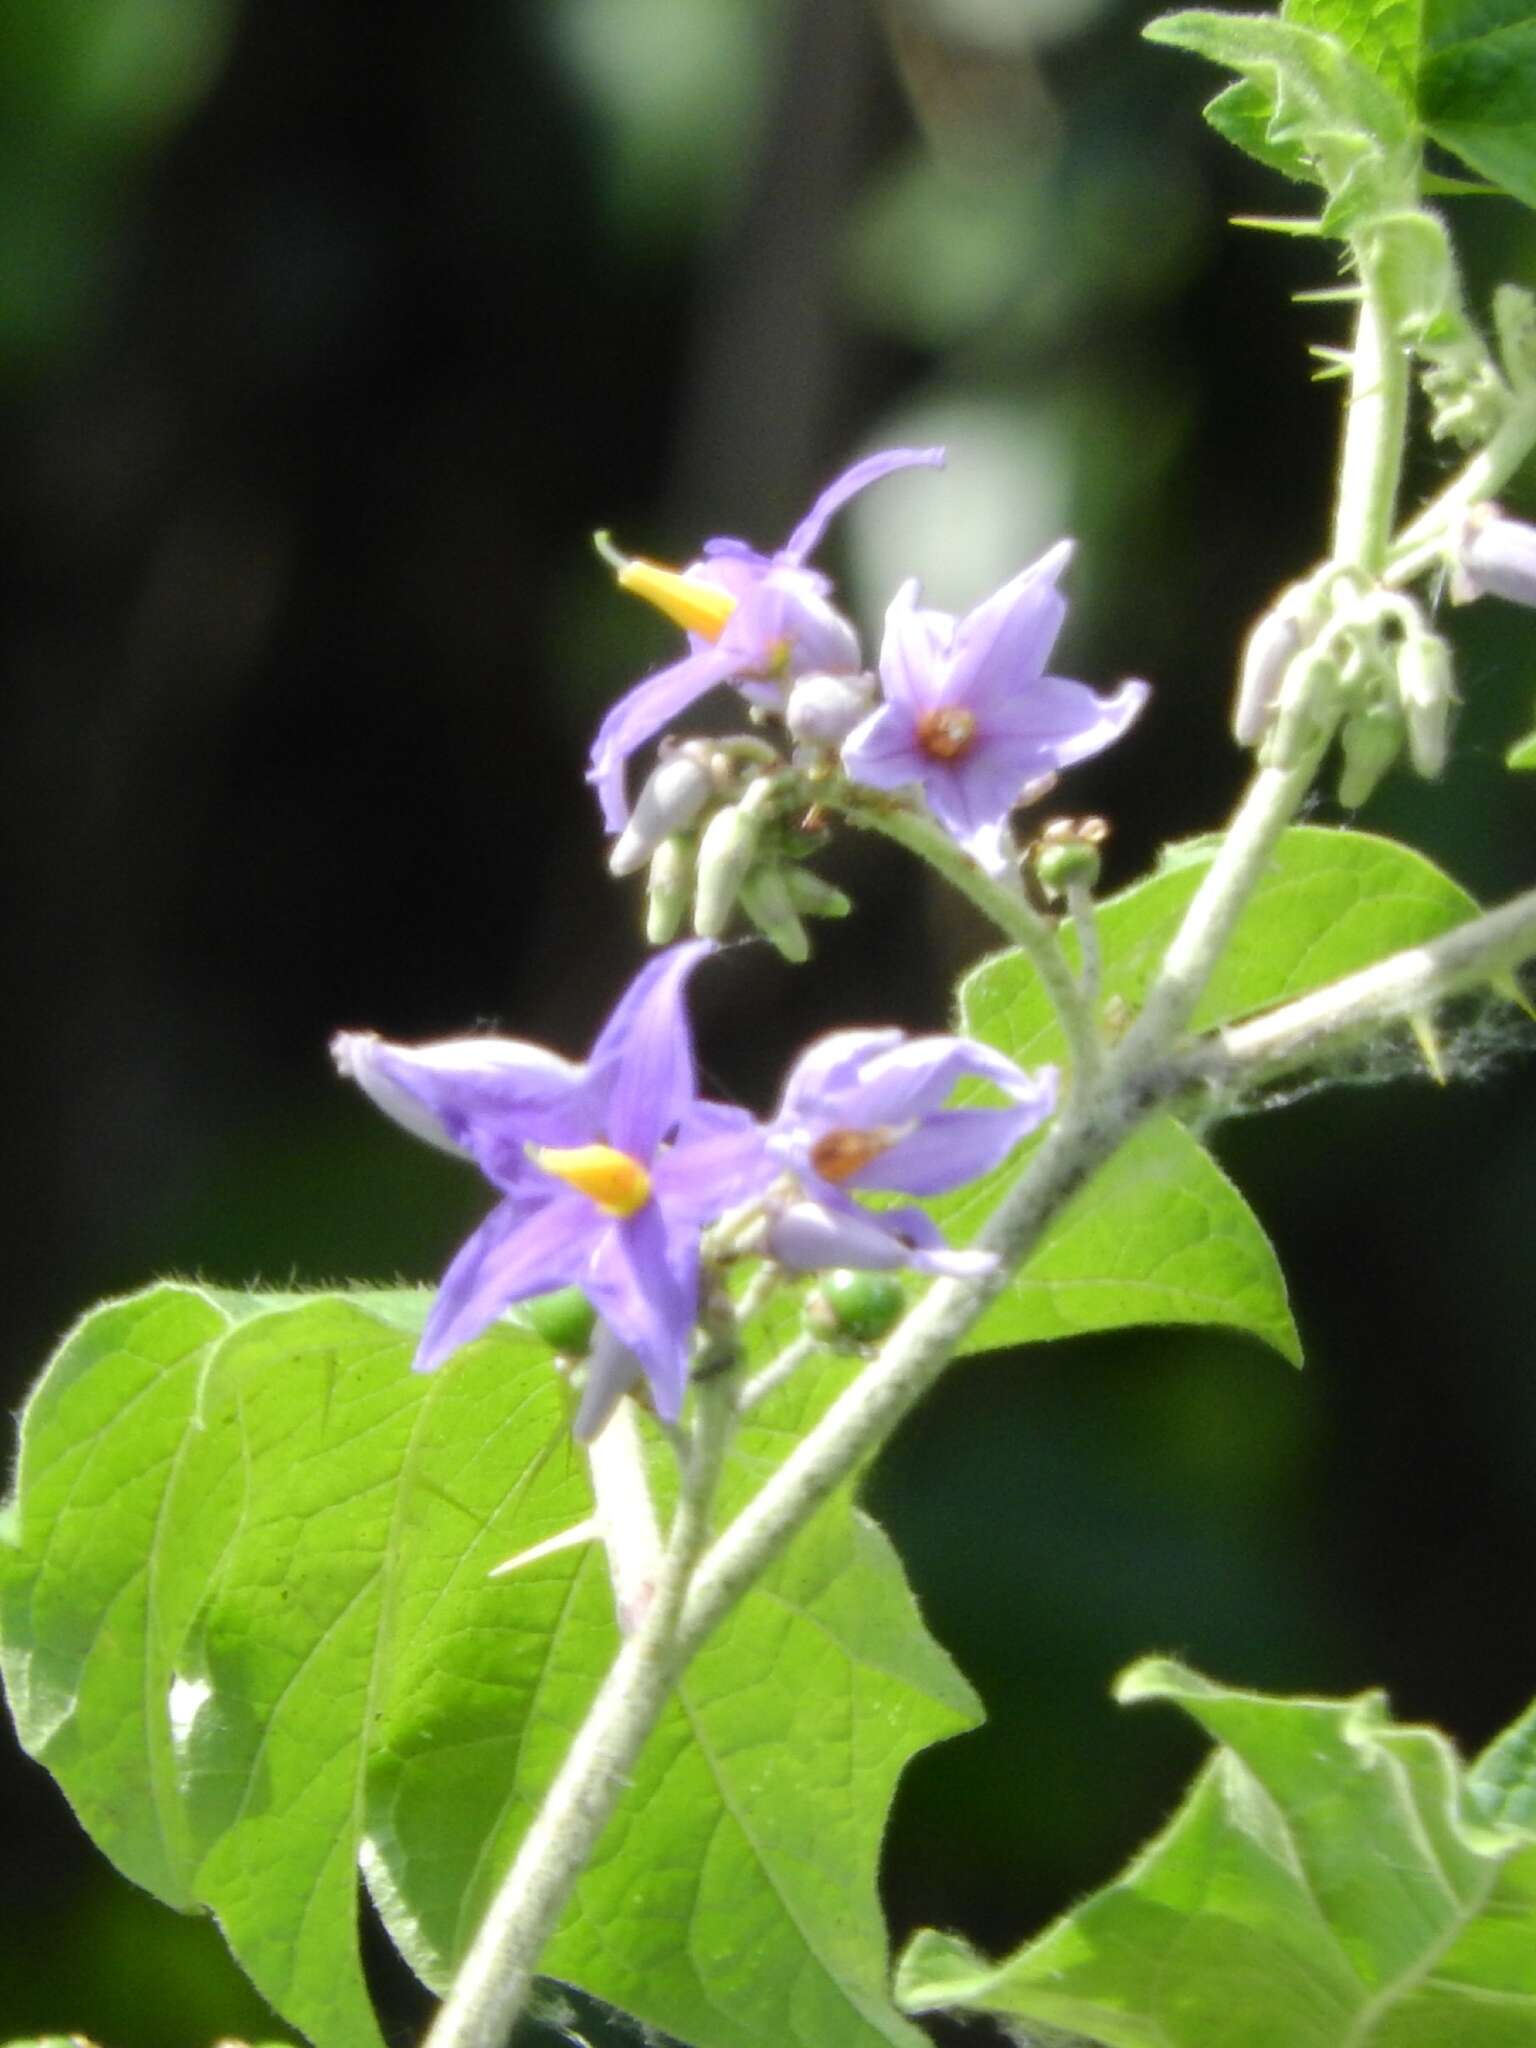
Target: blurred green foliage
93 88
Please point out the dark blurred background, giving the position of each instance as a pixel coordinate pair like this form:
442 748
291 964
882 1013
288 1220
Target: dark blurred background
328 332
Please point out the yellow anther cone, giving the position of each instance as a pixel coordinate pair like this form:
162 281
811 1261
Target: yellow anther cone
701 608
617 1184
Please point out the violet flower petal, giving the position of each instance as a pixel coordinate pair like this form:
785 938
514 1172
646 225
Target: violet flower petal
947 1149
453 1092
913 650
634 1282
611 1370
806 536
811 1237
884 753
1010 634
712 1165
644 1053
642 712
514 1253
929 1251
785 624
1066 721
831 1065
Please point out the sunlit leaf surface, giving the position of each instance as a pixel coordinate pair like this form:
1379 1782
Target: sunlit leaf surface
1333 1881
248 1624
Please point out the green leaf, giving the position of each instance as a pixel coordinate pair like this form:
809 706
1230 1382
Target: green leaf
1502 1783
247 1621
1329 1882
1477 88
105 1562
733 1900
1331 902
285 1665
1523 753
1307 107
1385 37
1160 1235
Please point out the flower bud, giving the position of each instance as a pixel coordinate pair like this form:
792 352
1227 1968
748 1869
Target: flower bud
1427 692
854 1308
823 709
1271 647
564 1319
1308 702
675 792
1371 741
766 900
813 897
668 889
726 853
1495 557
806 1236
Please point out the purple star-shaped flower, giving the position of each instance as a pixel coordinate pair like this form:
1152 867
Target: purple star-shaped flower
969 713
865 1110
608 1172
752 618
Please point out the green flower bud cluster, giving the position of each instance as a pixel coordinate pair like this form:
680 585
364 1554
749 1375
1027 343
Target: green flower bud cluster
1341 654
722 826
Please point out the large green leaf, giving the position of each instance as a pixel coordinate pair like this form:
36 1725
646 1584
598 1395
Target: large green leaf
1333 1881
95 1601
1477 87
247 1621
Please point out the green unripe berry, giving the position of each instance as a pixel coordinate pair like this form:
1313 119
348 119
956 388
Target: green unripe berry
564 1319
854 1308
1060 866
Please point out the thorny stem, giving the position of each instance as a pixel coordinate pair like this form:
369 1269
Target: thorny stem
492 1984
1409 985
1369 469
1374 424
1085 924
1423 541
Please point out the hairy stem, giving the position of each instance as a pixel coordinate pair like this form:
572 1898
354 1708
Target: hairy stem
1374 425
1484 952
491 1987
1423 541
777 1371
1085 923
1014 917
1369 470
